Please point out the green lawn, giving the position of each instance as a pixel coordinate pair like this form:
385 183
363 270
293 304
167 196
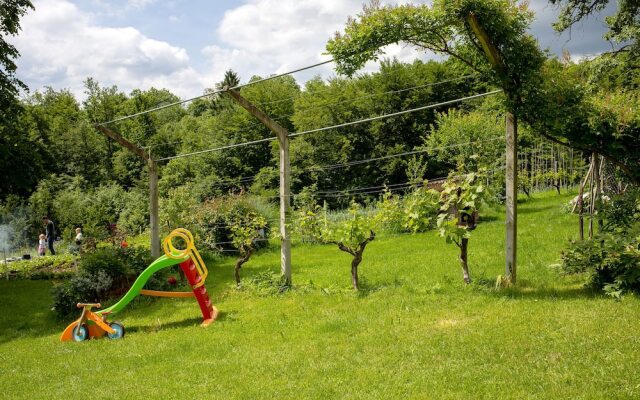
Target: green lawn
415 331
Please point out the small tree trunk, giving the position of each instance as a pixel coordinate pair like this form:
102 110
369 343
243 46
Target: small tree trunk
357 258
241 260
463 260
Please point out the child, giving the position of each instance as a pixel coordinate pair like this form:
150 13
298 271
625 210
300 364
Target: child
78 236
42 244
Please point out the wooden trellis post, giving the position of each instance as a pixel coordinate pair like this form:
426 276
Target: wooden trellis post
493 55
285 179
153 184
511 202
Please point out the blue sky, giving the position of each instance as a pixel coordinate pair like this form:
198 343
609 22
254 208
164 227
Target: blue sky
186 45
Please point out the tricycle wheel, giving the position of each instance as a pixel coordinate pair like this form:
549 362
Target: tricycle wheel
80 333
119 331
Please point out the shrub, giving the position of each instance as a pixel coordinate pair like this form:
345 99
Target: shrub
105 260
82 287
102 275
214 218
612 258
612 262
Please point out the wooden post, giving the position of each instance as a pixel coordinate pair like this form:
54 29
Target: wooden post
597 177
285 179
511 198
153 184
493 56
592 194
153 208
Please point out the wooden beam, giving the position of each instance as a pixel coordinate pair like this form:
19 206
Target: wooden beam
485 41
134 148
153 184
285 179
153 209
511 248
512 198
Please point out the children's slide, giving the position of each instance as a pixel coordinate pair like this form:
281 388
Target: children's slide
94 323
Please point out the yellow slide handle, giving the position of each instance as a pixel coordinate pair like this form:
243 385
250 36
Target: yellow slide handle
189 250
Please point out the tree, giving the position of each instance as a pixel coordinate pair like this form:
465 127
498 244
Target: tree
624 25
19 153
490 37
460 201
10 14
231 79
246 230
350 234
101 105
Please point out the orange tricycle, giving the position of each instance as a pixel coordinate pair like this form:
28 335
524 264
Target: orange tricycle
91 324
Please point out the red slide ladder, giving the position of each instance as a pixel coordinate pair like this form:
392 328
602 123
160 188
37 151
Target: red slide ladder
209 312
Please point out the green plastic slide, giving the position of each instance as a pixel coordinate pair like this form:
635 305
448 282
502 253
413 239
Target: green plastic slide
157 265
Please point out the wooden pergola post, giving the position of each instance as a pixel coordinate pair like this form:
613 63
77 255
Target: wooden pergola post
511 248
285 179
511 202
153 184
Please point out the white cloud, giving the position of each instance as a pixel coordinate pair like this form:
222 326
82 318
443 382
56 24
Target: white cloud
61 46
263 37
139 4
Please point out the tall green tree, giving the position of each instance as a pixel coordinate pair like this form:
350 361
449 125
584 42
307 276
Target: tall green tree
10 14
19 153
101 105
491 37
624 24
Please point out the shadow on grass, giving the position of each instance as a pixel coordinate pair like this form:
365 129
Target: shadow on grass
367 287
185 323
535 210
25 310
525 290
487 218
549 293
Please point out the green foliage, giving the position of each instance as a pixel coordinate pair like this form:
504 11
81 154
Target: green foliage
47 267
414 212
349 229
621 212
612 262
350 233
82 287
390 212
547 96
11 13
103 274
483 131
612 258
460 199
215 220
624 25
246 230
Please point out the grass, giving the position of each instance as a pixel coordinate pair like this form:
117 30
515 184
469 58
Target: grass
416 331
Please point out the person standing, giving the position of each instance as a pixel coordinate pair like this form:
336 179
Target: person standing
42 245
50 233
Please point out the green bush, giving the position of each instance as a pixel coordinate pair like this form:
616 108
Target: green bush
611 258
82 287
103 275
106 260
612 262
214 218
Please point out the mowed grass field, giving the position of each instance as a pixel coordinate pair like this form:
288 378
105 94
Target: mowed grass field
416 331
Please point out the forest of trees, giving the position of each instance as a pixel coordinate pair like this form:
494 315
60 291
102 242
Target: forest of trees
54 161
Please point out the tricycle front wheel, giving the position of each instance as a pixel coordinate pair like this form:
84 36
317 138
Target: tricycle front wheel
119 331
81 333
